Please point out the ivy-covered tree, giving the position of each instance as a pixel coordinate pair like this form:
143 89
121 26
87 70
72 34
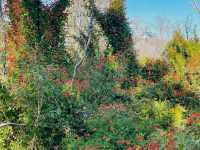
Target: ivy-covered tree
116 28
46 104
40 27
36 64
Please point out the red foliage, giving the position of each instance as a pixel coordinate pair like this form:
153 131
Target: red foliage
130 148
90 148
21 79
177 93
80 85
170 145
66 94
14 40
64 71
140 138
11 58
101 63
16 7
193 118
123 142
154 145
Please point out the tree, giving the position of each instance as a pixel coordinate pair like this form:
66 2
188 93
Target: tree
195 6
44 101
116 28
43 27
34 41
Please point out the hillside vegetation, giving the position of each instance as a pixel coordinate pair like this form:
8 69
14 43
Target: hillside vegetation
93 94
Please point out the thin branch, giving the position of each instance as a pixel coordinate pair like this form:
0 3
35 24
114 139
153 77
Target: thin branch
4 124
195 6
87 43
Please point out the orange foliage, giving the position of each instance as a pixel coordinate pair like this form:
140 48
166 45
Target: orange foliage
140 138
170 145
176 77
193 118
80 85
193 63
154 145
16 8
123 142
101 63
24 55
14 39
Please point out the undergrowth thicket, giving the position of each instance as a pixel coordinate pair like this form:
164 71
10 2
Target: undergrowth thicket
113 102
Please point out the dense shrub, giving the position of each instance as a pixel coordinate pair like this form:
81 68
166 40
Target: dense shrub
174 92
111 127
110 103
182 55
154 70
103 76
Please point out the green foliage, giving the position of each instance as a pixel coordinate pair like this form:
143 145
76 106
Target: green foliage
173 92
7 111
4 134
116 27
50 112
163 114
178 116
111 129
154 70
180 139
118 32
102 77
112 103
44 29
186 140
180 53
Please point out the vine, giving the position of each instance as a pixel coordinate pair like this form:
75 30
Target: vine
116 28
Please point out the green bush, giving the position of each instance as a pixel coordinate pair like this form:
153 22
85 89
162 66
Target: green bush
109 129
174 92
102 81
154 70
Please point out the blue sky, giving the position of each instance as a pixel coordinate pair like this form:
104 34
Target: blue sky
174 10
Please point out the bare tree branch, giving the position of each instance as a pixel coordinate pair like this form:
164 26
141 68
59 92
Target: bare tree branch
86 43
4 124
195 6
